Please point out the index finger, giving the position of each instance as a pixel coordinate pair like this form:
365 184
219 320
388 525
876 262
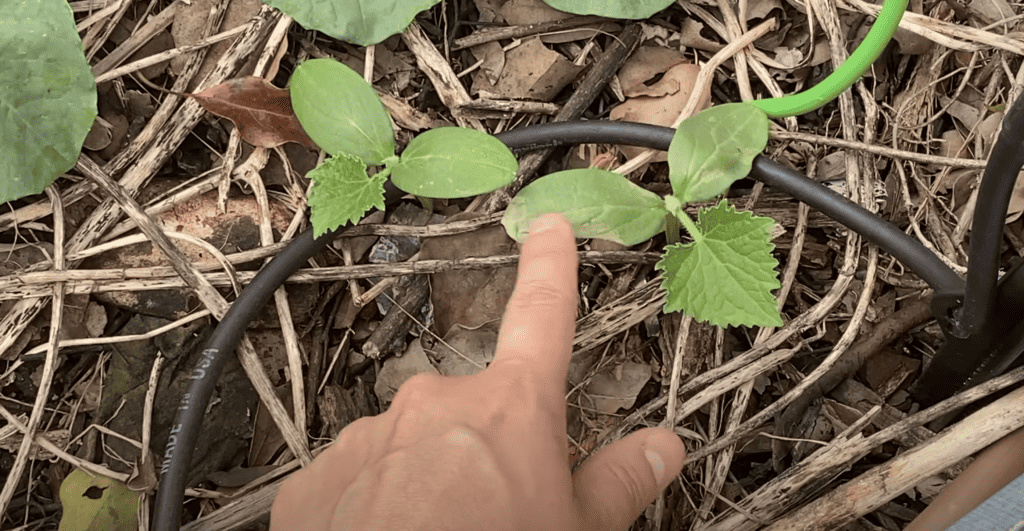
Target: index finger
540 319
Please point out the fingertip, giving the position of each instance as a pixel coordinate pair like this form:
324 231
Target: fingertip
670 449
550 222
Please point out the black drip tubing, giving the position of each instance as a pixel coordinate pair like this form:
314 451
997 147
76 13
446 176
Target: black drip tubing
994 194
186 428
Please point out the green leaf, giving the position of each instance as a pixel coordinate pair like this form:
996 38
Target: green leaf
714 149
362 22
97 503
451 162
342 193
47 95
341 112
598 203
727 276
632 9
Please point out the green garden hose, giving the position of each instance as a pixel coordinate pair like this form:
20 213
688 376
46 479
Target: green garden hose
849 72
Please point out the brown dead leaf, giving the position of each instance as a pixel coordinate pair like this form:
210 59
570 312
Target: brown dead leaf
912 43
757 9
10 440
491 53
929 488
689 36
267 440
662 110
490 10
143 476
968 115
89 391
262 112
385 63
886 371
619 388
469 298
1016 200
642 68
991 11
952 145
532 71
396 370
120 129
160 43
465 351
492 56
523 12
987 130
790 57
269 344
100 135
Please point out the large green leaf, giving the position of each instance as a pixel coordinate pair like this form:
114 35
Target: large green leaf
47 95
715 148
726 276
362 22
632 9
451 162
97 503
341 112
598 203
342 193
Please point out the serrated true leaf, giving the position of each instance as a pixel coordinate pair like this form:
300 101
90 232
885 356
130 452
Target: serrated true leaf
362 22
47 95
631 9
598 203
452 162
342 193
341 111
97 503
725 277
262 112
715 148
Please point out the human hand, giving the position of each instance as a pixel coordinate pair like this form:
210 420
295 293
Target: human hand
487 451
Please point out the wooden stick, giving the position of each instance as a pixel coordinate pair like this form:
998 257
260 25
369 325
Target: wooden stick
515 32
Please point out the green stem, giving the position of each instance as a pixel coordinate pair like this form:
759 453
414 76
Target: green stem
384 172
671 229
847 74
690 226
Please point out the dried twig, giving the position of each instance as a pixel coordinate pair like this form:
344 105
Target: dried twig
516 32
50 364
211 299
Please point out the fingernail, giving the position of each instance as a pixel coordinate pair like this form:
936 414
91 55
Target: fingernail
545 223
657 464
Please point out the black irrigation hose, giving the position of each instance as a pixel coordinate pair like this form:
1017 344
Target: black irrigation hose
186 428
1001 172
876 230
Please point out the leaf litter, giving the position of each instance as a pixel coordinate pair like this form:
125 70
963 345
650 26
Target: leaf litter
940 83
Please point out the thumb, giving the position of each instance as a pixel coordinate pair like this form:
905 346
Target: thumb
614 485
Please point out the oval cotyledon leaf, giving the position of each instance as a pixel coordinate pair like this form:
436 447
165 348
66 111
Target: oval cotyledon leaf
341 112
453 162
598 203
